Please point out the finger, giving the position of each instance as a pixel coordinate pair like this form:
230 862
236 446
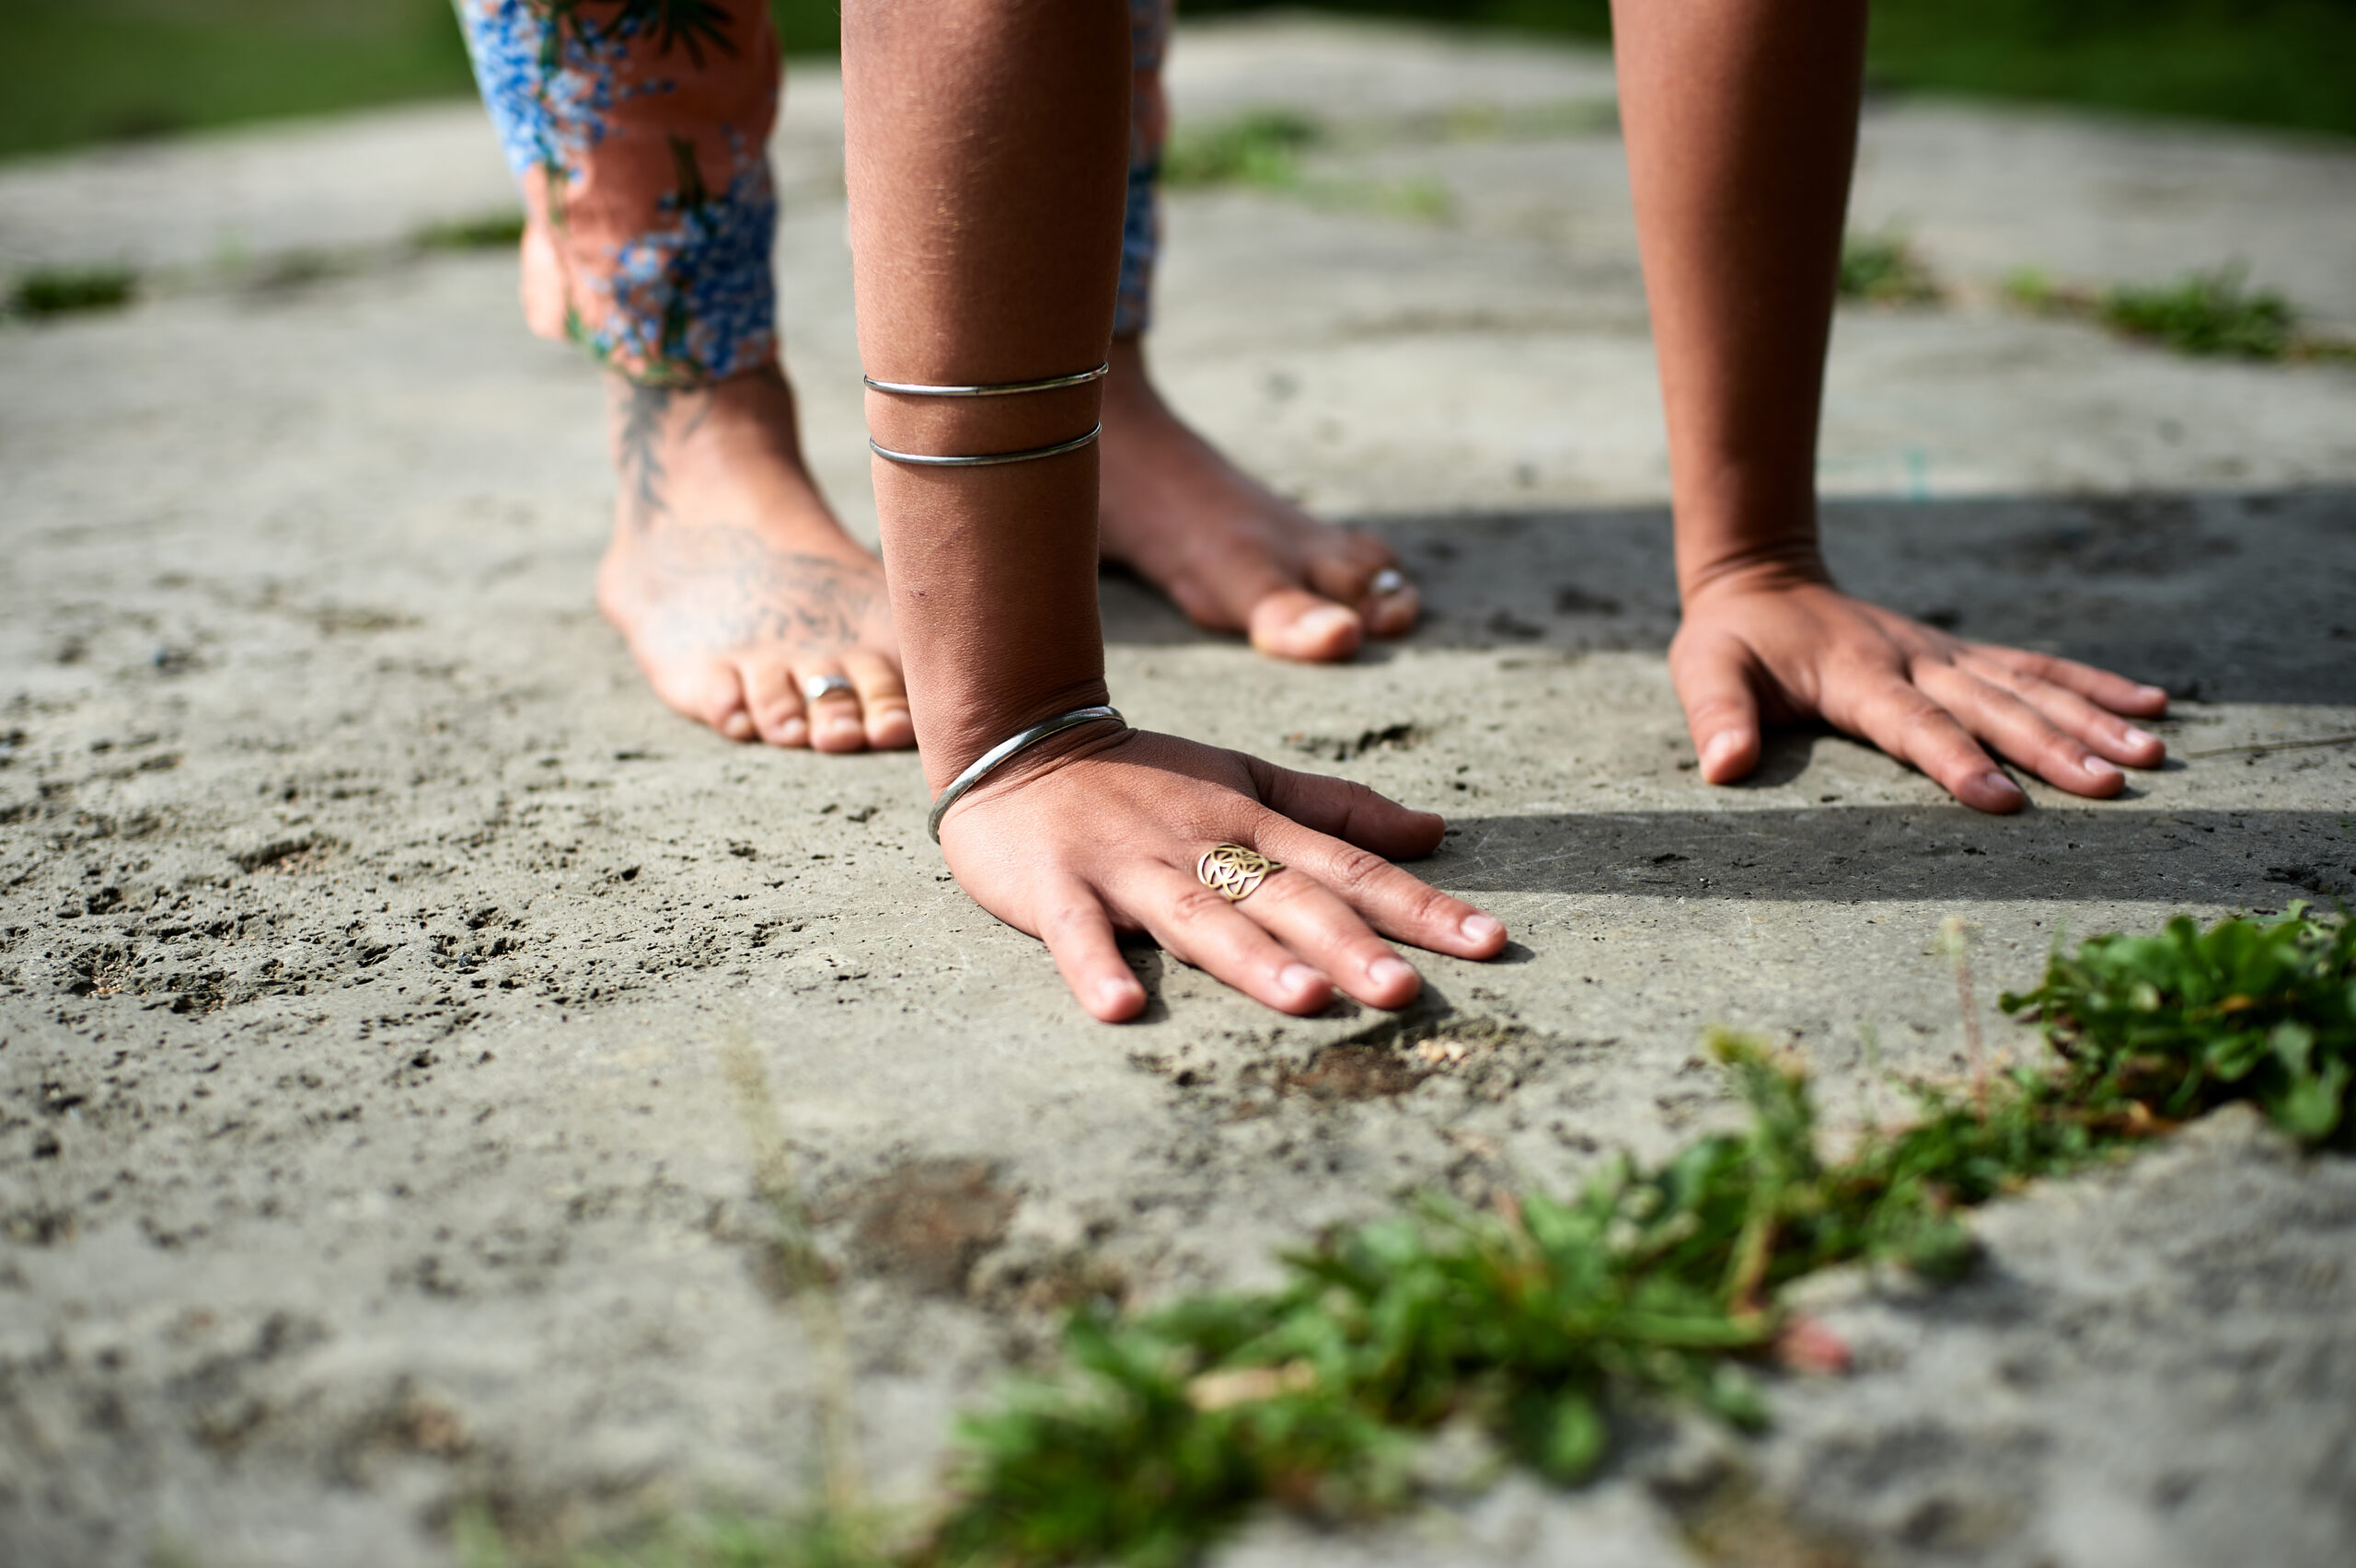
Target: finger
2003 720
834 721
1385 897
1713 678
1900 717
882 700
774 703
1347 811
2116 693
2092 726
1208 933
1079 934
1300 912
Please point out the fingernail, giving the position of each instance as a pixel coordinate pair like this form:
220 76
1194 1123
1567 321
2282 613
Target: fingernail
1480 927
1389 970
2135 737
2099 767
2001 783
1720 748
1299 978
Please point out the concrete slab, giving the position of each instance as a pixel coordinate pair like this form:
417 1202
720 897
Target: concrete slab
371 942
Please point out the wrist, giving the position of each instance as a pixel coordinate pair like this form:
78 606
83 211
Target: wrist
1755 566
960 726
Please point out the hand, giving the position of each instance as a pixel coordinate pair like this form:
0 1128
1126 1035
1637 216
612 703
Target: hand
1104 836
1792 649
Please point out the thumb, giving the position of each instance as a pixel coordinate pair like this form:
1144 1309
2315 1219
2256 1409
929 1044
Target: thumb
1713 678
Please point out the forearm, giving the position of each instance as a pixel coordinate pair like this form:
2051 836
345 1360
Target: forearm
986 152
1740 121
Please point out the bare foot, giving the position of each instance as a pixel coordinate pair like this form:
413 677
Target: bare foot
1232 554
744 602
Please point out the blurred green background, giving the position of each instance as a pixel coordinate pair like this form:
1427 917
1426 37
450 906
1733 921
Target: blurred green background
79 71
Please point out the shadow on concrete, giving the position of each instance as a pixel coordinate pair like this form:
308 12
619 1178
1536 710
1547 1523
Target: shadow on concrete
2219 596
2259 859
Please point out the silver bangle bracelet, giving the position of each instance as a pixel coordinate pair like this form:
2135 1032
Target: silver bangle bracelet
1003 389
982 766
919 460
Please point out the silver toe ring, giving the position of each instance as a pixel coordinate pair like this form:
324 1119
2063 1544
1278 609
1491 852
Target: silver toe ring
817 687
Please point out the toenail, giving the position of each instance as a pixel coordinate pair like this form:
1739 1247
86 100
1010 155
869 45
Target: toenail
2140 738
1479 928
1112 992
1328 619
1296 978
2151 694
1720 748
793 730
1389 970
1999 783
2099 767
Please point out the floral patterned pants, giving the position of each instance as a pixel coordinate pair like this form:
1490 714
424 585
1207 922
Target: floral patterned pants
639 132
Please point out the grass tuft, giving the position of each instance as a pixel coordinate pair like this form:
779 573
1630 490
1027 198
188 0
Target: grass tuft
64 291
1883 269
1533 1328
2182 1021
2207 315
487 231
1540 1321
1261 147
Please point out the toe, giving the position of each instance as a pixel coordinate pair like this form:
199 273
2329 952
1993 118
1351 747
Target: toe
774 700
1353 568
707 691
836 724
1293 623
883 698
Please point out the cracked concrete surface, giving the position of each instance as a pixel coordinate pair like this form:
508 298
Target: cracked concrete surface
370 938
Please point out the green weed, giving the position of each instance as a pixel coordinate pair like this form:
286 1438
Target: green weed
2208 313
62 291
488 231
2175 1023
1882 269
1538 1321
2204 313
1261 148
1537 1325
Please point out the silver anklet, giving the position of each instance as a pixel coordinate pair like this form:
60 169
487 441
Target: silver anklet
983 766
983 460
1003 389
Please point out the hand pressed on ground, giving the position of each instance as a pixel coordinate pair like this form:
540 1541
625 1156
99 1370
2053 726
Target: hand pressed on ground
1792 651
1102 837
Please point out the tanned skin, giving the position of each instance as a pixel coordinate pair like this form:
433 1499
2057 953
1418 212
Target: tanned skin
987 148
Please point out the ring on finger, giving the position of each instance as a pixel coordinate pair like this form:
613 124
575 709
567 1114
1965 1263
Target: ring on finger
1234 872
815 687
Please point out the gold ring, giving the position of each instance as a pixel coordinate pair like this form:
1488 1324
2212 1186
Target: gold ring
1234 872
